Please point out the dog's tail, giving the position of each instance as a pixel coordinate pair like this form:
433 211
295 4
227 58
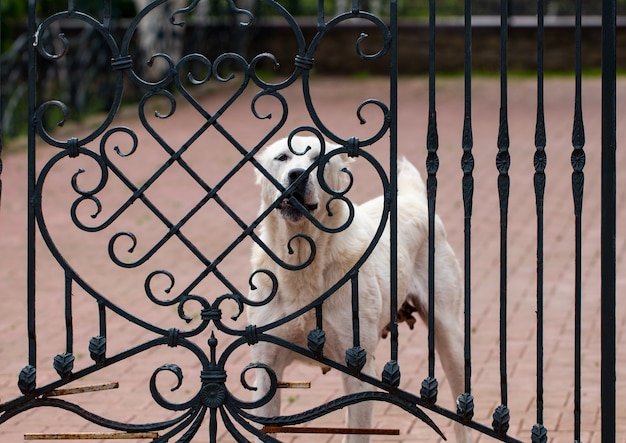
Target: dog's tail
409 179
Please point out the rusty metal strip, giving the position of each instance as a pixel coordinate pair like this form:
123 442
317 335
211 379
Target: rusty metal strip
83 389
93 436
294 385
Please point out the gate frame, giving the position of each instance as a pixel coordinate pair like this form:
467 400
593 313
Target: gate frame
608 216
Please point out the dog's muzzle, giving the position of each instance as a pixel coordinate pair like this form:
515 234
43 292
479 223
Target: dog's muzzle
301 193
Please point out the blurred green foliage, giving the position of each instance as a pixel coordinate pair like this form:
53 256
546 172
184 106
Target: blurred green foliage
14 13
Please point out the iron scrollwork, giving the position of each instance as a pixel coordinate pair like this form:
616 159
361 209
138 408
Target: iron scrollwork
89 213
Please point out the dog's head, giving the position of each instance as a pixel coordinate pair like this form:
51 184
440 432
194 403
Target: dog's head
294 165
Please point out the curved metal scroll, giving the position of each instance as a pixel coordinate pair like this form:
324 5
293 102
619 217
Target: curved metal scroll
106 146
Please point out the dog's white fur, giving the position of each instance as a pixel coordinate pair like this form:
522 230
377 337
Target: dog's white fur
336 253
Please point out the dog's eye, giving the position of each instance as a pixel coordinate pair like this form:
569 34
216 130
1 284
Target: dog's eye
282 157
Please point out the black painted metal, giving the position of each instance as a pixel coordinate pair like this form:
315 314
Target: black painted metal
430 386
609 220
578 181
32 79
539 433
501 416
465 402
391 372
213 402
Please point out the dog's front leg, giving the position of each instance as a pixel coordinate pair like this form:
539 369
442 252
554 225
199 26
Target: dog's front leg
359 415
275 358
449 344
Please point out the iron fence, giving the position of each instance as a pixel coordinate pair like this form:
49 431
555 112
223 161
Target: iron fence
213 402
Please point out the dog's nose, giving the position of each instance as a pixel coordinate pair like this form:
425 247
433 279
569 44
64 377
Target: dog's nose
294 174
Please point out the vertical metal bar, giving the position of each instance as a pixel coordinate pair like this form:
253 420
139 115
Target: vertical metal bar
501 415
391 372
467 165
106 16
1 137
213 425
356 356
578 180
503 189
430 385
319 321
102 318
356 337
539 433
32 99
69 327
609 192
465 401
393 178
320 14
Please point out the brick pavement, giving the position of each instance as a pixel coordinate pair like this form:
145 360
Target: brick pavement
335 99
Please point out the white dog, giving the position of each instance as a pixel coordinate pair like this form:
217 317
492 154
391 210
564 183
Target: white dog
288 232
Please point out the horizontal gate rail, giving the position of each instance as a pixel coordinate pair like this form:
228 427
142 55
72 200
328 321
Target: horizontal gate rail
334 431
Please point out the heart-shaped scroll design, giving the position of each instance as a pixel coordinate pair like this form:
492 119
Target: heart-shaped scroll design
185 81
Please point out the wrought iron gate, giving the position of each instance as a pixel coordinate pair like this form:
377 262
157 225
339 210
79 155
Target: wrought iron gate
213 405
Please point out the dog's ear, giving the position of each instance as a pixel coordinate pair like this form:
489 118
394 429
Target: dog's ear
335 173
258 177
346 159
343 157
265 157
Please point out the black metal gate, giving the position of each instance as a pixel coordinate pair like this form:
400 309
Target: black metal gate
218 331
